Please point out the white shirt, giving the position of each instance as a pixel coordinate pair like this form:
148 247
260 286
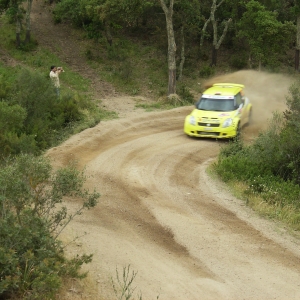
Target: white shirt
55 79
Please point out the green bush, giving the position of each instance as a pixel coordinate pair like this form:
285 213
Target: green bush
232 148
289 137
206 71
126 70
70 10
4 87
93 31
31 115
238 61
270 166
185 94
32 215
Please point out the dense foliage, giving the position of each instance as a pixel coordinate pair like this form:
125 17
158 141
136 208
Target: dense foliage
270 166
32 117
32 215
263 32
258 28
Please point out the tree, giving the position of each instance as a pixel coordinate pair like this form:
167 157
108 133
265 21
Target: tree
265 35
216 43
28 22
296 12
171 45
288 11
103 16
186 17
4 4
15 12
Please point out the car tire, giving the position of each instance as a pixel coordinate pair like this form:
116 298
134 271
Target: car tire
238 132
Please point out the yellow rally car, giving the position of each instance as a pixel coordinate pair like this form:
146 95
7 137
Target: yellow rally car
220 113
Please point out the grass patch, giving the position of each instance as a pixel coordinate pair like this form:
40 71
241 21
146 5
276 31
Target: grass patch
130 66
253 181
153 106
287 215
39 59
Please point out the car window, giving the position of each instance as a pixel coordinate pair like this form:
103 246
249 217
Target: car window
238 100
213 104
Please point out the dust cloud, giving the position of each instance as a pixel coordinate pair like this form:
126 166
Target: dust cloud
267 93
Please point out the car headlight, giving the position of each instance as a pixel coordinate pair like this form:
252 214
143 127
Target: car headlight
227 122
192 120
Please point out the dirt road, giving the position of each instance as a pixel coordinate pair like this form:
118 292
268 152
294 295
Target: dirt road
159 211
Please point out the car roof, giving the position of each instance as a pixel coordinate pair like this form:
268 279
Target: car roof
224 89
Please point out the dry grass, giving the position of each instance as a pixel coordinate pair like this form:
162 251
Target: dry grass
288 215
75 289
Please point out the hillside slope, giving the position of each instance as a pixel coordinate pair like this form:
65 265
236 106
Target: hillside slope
70 46
184 234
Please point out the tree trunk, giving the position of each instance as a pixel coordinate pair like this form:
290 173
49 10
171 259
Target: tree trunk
216 43
28 22
171 46
182 59
297 59
108 34
214 57
297 44
203 32
250 61
18 32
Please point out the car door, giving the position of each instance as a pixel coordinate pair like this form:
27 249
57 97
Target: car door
241 109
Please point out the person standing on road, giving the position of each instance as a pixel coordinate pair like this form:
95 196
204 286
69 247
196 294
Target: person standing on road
54 75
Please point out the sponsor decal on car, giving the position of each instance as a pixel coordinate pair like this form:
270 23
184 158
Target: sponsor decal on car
224 115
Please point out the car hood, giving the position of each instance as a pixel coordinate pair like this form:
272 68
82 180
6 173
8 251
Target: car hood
220 115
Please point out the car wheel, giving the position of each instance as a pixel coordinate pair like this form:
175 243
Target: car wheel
238 132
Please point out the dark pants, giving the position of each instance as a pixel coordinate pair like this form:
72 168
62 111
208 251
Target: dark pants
57 91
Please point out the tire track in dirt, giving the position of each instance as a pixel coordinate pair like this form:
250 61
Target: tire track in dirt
159 211
160 214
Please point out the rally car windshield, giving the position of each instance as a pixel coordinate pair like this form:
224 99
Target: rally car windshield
213 104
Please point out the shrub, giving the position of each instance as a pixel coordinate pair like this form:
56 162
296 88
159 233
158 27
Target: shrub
185 94
270 167
206 71
70 10
32 216
4 87
172 99
289 137
32 112
238 61
232 148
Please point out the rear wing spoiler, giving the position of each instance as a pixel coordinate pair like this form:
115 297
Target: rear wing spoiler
229 85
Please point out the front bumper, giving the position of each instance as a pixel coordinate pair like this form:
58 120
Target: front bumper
210 132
